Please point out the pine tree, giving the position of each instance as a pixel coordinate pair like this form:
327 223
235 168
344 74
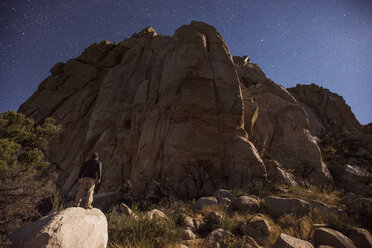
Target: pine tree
22 186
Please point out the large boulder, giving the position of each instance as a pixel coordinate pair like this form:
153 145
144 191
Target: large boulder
276 206
286 241
327 236
72 227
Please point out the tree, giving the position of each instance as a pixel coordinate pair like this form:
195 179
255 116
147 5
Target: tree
22 186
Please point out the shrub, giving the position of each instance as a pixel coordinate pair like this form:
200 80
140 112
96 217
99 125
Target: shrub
21 167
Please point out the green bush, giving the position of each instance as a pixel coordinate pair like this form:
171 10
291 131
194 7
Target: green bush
21 167
127 231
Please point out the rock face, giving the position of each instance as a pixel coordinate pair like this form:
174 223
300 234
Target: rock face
72 227
280 128
155 108
178 110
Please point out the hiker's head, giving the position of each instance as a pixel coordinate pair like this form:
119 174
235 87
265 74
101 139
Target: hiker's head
95 155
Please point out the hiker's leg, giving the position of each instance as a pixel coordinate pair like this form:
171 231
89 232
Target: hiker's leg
80 193
90 186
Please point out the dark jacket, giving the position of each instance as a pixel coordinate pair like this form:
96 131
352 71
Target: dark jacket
91 168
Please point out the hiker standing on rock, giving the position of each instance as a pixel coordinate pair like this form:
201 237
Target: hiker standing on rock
89 172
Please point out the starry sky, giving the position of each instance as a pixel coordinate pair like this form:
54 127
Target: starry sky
309 41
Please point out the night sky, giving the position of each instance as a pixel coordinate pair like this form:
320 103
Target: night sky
327 42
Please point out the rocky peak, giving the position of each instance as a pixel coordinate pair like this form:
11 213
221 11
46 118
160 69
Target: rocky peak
328 112
242 61
147 32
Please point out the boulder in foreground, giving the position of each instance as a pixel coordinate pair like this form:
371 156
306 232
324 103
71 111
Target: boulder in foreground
72 228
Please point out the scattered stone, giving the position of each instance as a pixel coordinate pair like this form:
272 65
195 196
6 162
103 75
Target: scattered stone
224 193
321 206
258 226
361 238
354 202
224 201
125 209
72 227
276 206
246 203
327 236
286 241
188 235
204 202
156 214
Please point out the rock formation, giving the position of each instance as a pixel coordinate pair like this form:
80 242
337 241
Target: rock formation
180 111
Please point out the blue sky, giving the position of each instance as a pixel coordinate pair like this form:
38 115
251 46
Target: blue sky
328 43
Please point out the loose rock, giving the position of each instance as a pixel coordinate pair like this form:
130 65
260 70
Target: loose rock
327 236
276 206
286 241
361 238
204 202
156 214
188 235
246 203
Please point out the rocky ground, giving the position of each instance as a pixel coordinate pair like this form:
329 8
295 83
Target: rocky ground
285 216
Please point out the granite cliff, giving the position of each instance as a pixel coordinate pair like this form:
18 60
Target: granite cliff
180 112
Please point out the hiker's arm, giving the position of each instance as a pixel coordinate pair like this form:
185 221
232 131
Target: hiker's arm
81 171
99 172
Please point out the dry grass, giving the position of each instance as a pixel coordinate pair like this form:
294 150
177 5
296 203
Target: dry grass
141 232
299 227
323 194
